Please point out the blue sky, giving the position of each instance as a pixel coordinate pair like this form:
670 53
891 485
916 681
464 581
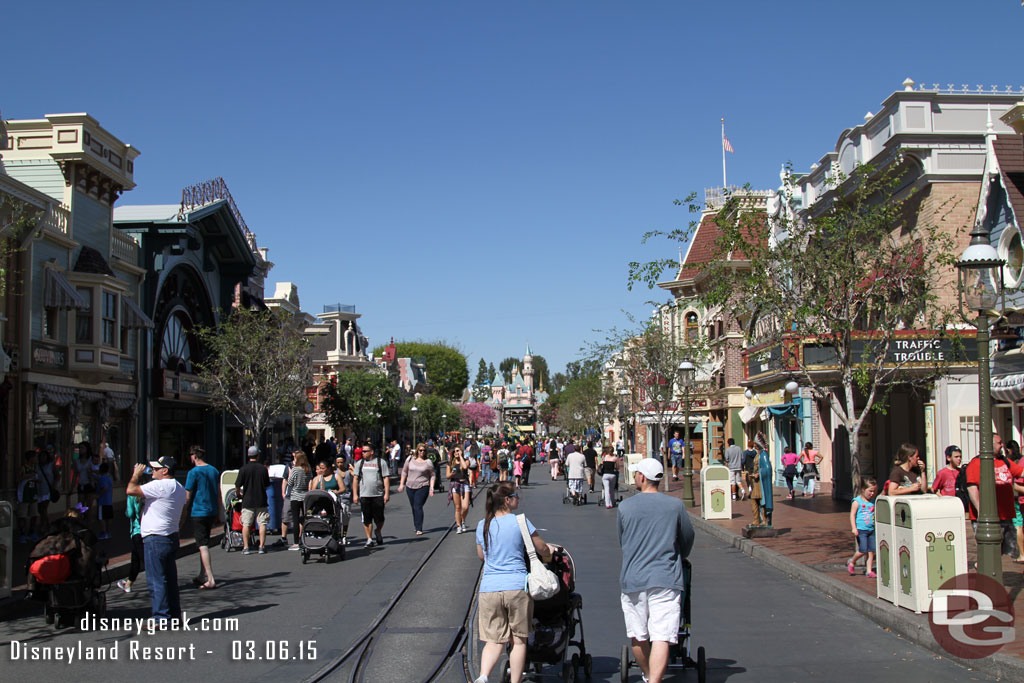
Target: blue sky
481 172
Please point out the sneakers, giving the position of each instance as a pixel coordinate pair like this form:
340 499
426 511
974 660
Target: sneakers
370 543
379 538
344 541
261 551
480 679
247 551
458 529
871 575
124 585
464 529
849 568
293 547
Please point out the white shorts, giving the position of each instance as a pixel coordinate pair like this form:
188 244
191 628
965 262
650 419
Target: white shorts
653 614
736 477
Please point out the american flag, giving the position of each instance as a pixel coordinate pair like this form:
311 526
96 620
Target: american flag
727 146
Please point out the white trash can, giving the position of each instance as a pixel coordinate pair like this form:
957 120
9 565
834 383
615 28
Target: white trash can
716 492
929 539
885 584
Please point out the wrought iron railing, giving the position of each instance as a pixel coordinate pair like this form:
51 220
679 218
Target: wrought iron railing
210 191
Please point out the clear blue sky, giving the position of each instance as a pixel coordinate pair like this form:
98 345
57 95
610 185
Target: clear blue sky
480 171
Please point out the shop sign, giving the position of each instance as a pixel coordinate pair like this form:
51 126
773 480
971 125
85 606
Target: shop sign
49 356
764 361
768 398
904 351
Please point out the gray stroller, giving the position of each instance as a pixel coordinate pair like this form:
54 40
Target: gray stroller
321 528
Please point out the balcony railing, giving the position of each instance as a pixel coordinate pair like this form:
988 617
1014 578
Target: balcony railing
125 248
57 219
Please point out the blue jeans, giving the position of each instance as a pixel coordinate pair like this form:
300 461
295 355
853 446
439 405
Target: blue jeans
417 497
486 475
162 575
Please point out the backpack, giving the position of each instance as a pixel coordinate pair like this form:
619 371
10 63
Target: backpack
961 488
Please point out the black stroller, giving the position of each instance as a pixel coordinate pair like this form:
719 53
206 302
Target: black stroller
321 528
65 570
679 655
232 539
555 623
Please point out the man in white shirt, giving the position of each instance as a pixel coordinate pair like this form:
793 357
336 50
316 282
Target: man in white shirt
163 502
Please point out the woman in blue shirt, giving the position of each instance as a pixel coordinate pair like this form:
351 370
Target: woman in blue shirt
505 608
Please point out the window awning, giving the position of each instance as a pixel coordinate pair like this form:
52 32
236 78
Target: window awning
749 413
59 293
792 409
1009 388
132 316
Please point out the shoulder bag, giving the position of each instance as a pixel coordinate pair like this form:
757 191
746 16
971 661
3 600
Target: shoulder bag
542 583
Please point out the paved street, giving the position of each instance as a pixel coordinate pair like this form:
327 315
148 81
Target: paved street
755 622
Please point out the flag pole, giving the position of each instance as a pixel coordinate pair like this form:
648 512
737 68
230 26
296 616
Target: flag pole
724 184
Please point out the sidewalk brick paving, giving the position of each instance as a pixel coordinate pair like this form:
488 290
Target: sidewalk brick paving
815 532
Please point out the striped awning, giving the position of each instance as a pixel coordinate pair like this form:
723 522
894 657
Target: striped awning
59 293
132 316
1008 388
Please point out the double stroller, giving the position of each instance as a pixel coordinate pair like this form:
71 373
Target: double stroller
556 621
65 571
321 528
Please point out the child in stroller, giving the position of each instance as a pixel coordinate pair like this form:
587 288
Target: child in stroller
321 530
65 571
555 624
232 539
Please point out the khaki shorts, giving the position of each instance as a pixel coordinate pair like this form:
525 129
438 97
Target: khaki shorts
262 516
504 614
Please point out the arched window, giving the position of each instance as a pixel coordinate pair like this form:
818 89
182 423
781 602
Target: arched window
691 326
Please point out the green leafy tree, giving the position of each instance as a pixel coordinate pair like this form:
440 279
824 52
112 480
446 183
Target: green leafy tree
433 416
362 400
558 382
256 367
549 410
447 371
579 406
857 270
17 219
490 371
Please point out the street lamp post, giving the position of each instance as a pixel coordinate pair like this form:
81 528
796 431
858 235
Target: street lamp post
623 423
414 410
686 372
602 405
444 425
980 287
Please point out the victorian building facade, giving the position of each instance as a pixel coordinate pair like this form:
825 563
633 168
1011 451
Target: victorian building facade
938 137
75 330
200 261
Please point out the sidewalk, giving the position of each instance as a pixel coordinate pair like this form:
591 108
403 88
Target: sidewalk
118 549
813 546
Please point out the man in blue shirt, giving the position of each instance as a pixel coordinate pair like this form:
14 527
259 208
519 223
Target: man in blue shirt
656 535
202 490
675 449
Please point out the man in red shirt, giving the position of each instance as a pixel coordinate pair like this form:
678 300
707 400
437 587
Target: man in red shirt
1005 471
945 480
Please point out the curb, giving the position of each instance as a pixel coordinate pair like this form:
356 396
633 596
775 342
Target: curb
17 603
911 626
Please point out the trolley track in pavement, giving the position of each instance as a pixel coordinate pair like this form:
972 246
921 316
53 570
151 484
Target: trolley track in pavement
353 664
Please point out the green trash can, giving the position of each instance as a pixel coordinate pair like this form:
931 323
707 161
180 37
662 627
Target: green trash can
885 584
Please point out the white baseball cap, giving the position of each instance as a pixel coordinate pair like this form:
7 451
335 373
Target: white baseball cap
650 468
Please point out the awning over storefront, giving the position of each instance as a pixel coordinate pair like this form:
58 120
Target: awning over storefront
749 413
59 293
132 316
793 409
106 401
1008 388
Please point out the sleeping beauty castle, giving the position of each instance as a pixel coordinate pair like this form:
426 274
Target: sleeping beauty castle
517 402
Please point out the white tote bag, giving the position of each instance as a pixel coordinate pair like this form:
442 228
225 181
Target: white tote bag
542 583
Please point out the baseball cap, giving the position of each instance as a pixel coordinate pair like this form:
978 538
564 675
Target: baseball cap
950 450
253 451
164 462
650 468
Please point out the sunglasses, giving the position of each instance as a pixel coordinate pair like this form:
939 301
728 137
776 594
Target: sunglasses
512 495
